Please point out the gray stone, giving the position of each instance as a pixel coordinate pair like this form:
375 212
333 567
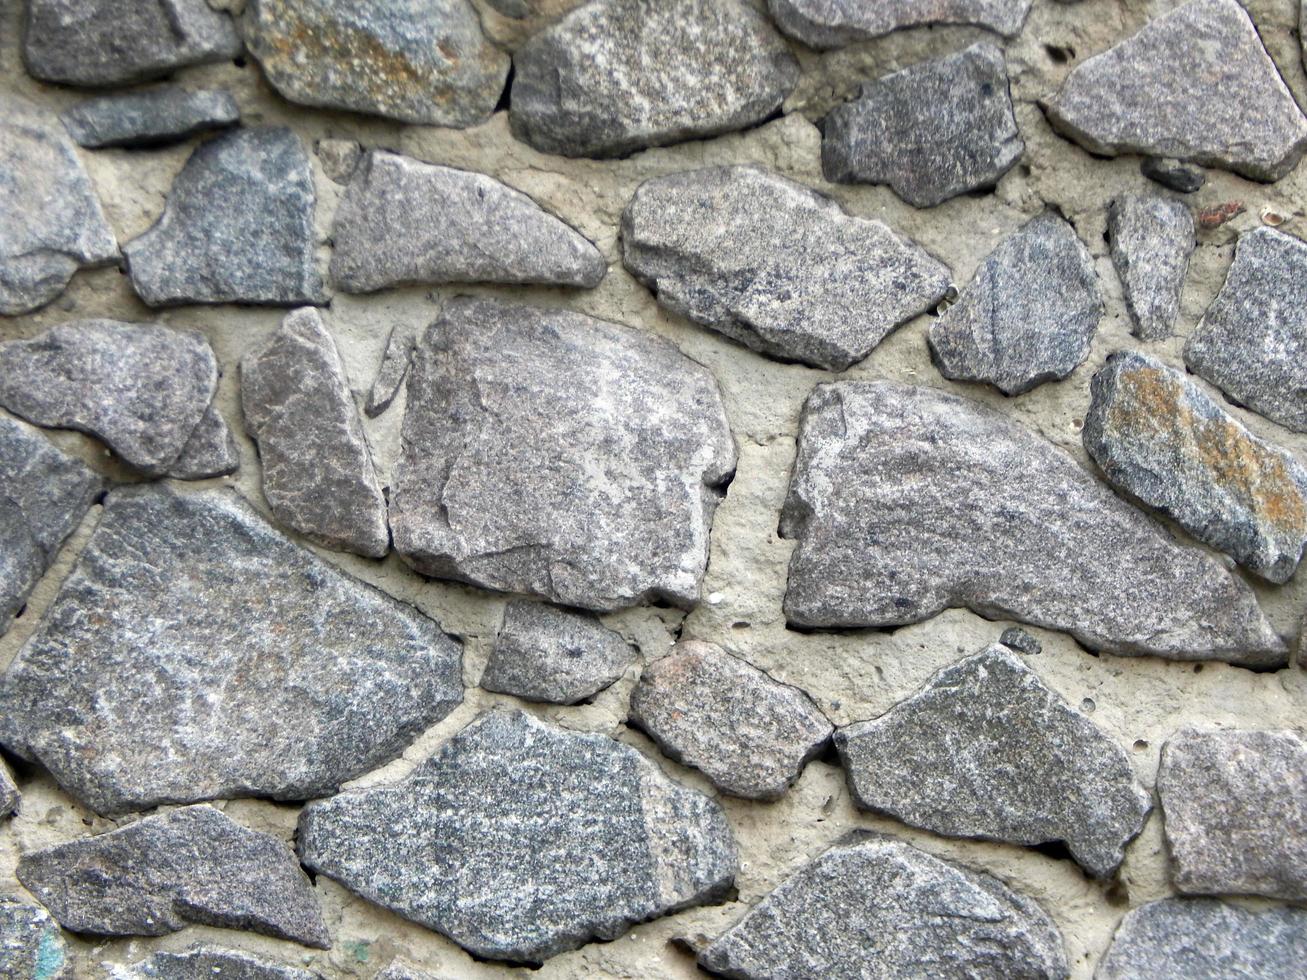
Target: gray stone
237 228
907 501
210 451
1235 808
403 971
166 114
402 222
835 23
619 75
424 62
1019 640
552 454
10 797
208 964
1029 316
1152 239
31 946
875 908
194 653
1158 436
932 131
519 840
318 476
779 268
395 361
192 866
339 158
1195 85
1173 174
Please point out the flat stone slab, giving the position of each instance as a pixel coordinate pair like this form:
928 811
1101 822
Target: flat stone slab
167 114
835 23
519 840
31 943
1029 315
552 454
875 908
619 75
392 370
907 501
932 131
402 221
194 653
191 866
1196 85
203 963
780 268
1152 239
210 451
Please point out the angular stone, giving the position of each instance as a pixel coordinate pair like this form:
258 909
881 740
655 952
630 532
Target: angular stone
552 454
1019 640
932 131
1029 315
424 62
619 75
1235 808
403 222
875 908
9 795
194 653
780 268
1152 239
31 946
392 370
166 114
210 451
543 653
519 840
835 23
907 501
1195 85
1171 173
318 476
192 866
207 963
237 228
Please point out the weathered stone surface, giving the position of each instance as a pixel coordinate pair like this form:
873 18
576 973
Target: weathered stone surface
519 840
318 476
1152 239
210 451
339 158
9 795
835 23
1019 640
403 971
194 653
391 372
418 61
237 228
552 454
1196 85
31 946
208 964
751 735
779 268
931 131
162 115
907 501
402 221
543 653
192 866
874 908
619 75
1171 173
1235 806
1029 315
1158 436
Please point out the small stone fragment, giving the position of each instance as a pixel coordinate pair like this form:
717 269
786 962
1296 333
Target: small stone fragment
1029 316
1152 239
780 268
1019 640
1173 174
339 158
208 964
167 114
1209 219
519 840
395 361
402 222
31 946
932 131
835 23
9 797
620 75
210 451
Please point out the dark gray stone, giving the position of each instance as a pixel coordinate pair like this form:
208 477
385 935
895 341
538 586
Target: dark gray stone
209 964
1152 239
391 372
9 795
166 114
1173 174
835 23
31 946
519 840
552 454
907 501
194 653
779 268
210 451
1019 640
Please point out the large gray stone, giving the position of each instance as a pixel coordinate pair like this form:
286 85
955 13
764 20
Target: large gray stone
210 451
519 840
208 963
907 501
1195 84
835 23
619 75
31 946
402 222
556 455
166 114
1152 239
392 370
194 653
780 268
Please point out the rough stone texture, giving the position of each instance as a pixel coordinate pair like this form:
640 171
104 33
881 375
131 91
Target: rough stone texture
402 971
1029 315
1019 640
162 115
392 371
9 795
194 653
192 866
1158 436
835 23
31 946
207 964
874 908
780 268
1173 174
402 221
907 501
618 75
1235 805
543 653
318 476
1195 84
339 158
210 451
519 840
1152 239
556 455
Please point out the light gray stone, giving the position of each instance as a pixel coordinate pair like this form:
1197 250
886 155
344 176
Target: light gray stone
1173 174
403 971
779 268
10 797
167 114
1152 239
339 158
210 451
31 946
835 23
208 963
392 371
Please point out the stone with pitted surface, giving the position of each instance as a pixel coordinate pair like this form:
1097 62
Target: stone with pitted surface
1152 239
835 23
166 114
31 946
208 963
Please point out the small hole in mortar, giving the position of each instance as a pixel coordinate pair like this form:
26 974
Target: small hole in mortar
1140 744
1088 706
